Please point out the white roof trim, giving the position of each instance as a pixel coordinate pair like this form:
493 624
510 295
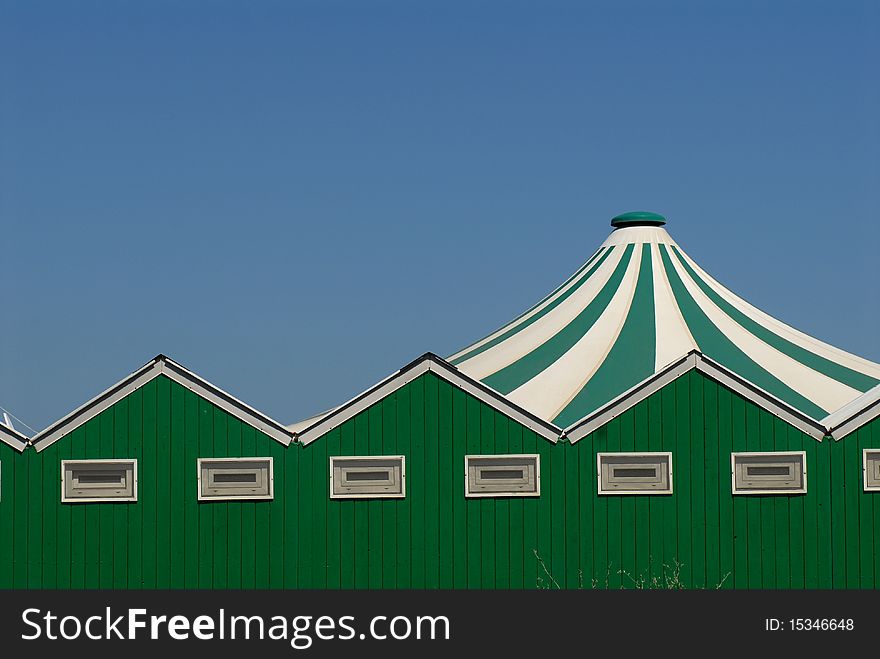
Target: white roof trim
441 368
761 398
710 368
854 414
161 365
630 397
12 437
306 423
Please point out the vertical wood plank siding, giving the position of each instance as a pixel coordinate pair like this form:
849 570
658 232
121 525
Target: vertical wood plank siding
165 540
698 537
702 536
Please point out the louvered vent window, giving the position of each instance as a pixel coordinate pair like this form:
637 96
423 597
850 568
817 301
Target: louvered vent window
232 479
635 473
367 477
769 472
502 475
871 467
93 481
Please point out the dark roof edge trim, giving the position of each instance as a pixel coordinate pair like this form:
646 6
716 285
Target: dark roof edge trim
161 365
695 360
854 415
13 438
440 367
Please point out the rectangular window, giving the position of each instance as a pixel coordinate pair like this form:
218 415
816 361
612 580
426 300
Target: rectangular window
634 473
769 473
871 468
502 476
365 477
231 479
90 481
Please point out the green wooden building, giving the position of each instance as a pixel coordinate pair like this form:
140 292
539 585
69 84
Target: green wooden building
641 426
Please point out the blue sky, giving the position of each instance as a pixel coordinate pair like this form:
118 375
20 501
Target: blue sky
295 199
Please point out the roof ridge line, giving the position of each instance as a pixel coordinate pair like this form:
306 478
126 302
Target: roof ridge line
160 365
694 359
410 372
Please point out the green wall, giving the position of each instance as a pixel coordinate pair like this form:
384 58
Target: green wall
165 540
13 519
434 538
709 536
699 536
855 514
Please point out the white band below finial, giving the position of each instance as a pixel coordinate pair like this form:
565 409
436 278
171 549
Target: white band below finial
627 235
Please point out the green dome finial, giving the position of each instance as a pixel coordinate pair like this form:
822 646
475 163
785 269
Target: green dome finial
638 219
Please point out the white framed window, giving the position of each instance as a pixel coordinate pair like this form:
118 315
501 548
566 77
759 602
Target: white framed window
92 481
515 475
368 477
232 479
871 469
634 473
771 472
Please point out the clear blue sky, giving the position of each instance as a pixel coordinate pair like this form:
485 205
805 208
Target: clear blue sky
295 199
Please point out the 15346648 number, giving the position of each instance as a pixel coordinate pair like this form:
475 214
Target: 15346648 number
821 624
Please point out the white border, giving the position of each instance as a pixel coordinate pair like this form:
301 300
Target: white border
713 370
500 456
854 414
865 452
13 438
748 454
441 368
632 454
134 490
761 398
160 365
368 458
250 497
694 359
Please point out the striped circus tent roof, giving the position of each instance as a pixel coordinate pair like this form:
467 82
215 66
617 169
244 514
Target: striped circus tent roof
638 304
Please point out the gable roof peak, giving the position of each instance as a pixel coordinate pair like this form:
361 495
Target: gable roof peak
12 437
161 365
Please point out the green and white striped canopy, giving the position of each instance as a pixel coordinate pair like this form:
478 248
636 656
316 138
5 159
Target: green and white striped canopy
638 304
